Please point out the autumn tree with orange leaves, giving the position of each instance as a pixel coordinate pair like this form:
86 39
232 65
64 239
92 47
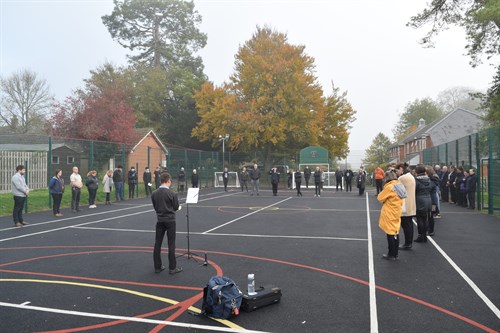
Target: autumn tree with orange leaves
273 102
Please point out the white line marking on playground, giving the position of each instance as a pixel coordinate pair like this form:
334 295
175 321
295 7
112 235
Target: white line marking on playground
230 235
25 303
371 272
471 283
77 217
132 319
92 222
246 215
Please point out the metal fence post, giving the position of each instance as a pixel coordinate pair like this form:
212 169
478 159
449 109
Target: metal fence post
149 157
456 153
49 169
91 156
26 179
490 171
479 173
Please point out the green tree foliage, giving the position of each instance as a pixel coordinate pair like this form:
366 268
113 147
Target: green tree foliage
164 71
378 152
479 18
25 101
481 21
491 101
100 111
273 102
162 32
424 108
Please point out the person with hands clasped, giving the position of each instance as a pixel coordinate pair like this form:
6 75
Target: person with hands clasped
165 203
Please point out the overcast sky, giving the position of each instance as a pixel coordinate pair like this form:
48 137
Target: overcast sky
362 46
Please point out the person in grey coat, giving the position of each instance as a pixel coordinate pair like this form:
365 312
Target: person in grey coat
20 191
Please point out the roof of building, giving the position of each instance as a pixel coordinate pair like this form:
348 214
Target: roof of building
30 147
143 133
424 130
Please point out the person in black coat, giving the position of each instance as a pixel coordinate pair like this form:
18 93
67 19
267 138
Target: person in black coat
460 187
165 204
471 187
434 178
361 180
451 184
348 180
423 187
181 179
147 178
338 178
317 182
443 184
275 179
157 174
298 182
307 175
194 179
225 178
132 181
289 178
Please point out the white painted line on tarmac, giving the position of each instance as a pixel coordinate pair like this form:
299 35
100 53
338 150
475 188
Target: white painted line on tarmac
371 272
230 235
68 227
76 217
246 215
132 319
471 283
92 222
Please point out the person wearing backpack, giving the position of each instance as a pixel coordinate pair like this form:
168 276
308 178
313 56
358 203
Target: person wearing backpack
165 203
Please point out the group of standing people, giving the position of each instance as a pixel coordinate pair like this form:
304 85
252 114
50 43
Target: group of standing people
409 195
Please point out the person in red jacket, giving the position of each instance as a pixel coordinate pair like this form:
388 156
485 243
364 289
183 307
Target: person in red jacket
379 176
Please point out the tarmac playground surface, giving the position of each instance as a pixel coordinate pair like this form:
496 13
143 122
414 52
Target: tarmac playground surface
93 271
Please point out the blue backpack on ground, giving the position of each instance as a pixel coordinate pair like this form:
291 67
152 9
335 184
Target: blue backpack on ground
221 298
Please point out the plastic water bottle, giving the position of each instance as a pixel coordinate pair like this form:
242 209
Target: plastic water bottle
251 284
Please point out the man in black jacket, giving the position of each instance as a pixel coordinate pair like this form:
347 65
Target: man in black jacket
165 203
147 178
118 181
423 187
307 175
471 187
443 184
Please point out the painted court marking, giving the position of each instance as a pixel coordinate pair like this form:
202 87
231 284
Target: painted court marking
229 235
246 215
371 273
132 319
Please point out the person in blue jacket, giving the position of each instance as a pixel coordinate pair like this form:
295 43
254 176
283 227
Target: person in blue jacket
56 187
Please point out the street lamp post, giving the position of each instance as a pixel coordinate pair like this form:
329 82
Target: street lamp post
223 139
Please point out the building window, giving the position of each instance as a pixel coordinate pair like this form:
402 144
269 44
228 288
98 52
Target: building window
71 160
55 159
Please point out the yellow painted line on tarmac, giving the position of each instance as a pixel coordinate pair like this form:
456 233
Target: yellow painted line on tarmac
127 291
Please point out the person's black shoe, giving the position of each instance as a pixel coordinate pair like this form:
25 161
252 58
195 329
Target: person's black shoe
406 247
159 270
431 233
419 240
388 257
175 270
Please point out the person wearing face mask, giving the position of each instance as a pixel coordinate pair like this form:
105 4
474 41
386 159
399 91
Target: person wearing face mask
132 181
147 178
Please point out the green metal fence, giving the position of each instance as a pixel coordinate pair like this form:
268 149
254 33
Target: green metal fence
480 151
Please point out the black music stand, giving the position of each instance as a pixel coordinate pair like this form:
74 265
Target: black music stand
192 197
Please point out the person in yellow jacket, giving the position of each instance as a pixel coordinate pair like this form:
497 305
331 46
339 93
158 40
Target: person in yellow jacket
391 199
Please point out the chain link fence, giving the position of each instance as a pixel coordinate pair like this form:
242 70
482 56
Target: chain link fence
480 151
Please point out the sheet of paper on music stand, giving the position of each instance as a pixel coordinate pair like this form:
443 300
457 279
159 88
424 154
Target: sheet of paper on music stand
192 195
